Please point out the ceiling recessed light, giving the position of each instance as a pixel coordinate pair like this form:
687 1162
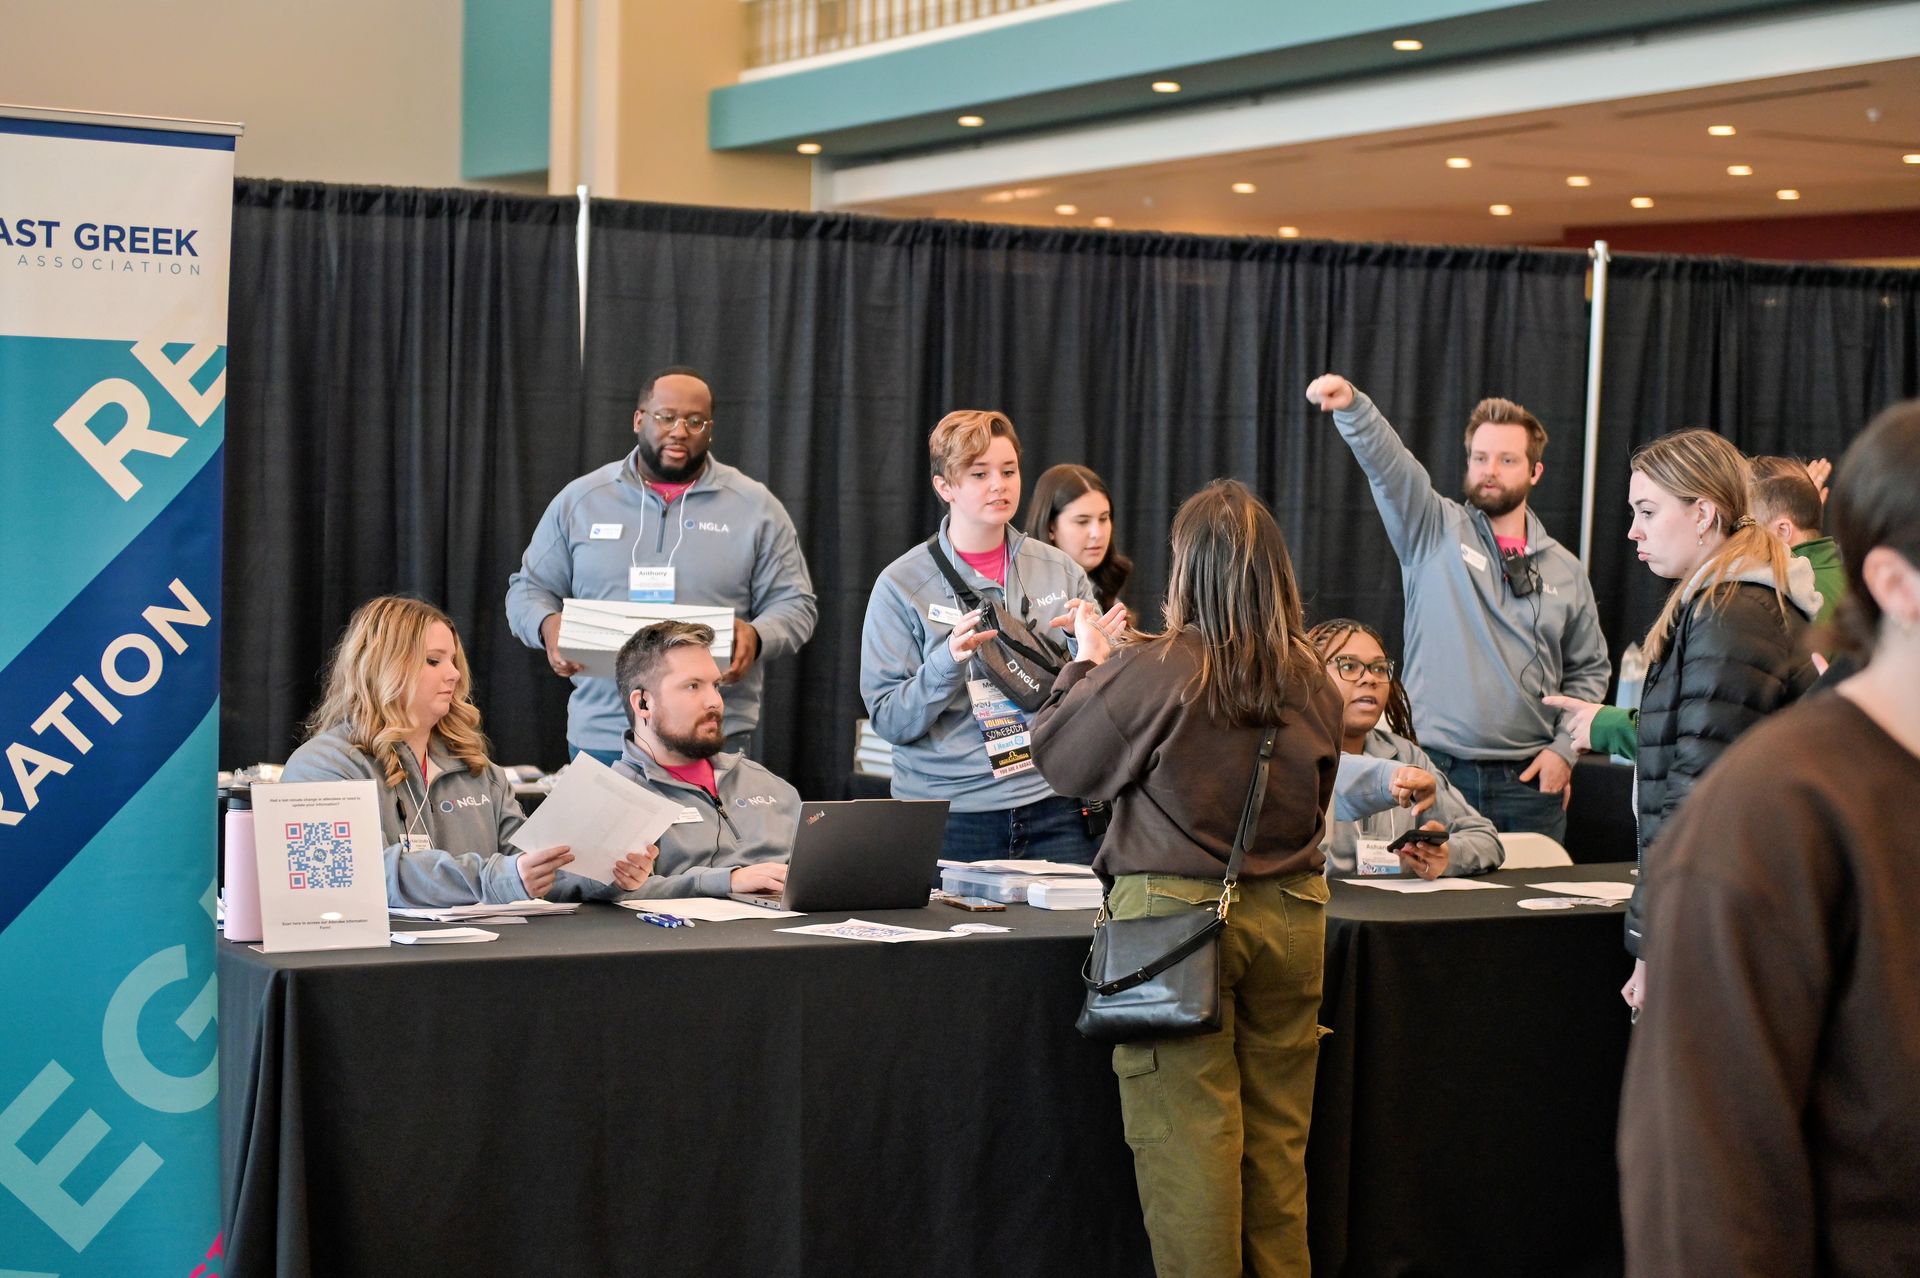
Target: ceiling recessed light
1103 220
1408 46
1244 188
1459 162
1066 210
1289 232
1739 170
808 148
1500 210
1166 86
1579 179
1720 130
1911 157
970 121
1786 193
1641 201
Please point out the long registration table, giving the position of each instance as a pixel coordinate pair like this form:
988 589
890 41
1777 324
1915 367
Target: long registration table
594 1095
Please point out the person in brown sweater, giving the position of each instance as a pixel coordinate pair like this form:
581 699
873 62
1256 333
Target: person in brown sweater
1770 1122
1169 729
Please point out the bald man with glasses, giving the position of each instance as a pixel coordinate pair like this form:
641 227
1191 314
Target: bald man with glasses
668 523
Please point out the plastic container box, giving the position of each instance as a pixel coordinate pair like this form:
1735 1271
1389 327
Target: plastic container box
960 881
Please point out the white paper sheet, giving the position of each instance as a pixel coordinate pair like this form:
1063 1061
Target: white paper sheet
1412 886
323 883
1048 868
451 936
705 909
861 930
597 813
482 913
1603 890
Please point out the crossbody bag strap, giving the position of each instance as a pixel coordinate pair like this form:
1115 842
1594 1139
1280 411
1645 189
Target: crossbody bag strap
967 595
1249 816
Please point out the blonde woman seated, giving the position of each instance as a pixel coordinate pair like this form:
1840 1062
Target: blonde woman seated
1364 674
398 711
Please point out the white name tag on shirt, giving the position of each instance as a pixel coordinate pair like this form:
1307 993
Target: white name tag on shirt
944 615
649 585
689 816
1475 560
604 532
1370 857
419 843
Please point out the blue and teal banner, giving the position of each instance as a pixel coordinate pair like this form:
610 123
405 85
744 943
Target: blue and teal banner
114 238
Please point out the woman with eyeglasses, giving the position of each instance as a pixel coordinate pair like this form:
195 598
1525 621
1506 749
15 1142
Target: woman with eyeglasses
1357 658
1072 509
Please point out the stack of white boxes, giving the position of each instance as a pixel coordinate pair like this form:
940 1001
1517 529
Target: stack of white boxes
592 630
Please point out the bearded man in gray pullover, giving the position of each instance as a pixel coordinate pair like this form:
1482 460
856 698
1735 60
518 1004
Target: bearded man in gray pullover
1498 613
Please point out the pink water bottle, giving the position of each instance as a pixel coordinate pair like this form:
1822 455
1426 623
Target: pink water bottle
243 871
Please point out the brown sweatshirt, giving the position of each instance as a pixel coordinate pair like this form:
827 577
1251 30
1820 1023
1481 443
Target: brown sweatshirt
1178 780
1770 1123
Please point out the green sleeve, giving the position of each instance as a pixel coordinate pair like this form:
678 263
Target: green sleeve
1616 731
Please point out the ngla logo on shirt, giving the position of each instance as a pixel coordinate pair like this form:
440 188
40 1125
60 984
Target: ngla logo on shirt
706 525
467 801
754 801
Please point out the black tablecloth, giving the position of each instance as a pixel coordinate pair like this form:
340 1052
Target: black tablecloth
1464 1119
595 1095
592 1095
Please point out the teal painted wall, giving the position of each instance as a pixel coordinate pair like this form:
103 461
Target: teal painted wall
1095 62
506 71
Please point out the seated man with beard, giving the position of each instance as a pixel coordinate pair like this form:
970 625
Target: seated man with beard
737 819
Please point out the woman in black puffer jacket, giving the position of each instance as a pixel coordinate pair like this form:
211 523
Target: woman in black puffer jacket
1726 650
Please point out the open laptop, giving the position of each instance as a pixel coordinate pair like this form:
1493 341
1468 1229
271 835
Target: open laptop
865 854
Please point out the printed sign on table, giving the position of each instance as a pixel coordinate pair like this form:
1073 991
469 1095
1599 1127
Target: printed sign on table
323 880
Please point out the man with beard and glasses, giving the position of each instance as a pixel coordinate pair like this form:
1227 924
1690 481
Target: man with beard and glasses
737 819
668 523
1499 614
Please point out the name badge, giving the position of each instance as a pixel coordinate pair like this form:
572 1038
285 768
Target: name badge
604 532
419 843
1475 560
1370 857
650 585
1003 729
944 615
689 816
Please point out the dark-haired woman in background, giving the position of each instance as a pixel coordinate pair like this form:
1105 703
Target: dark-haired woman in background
1357 659
1072 509
1769 1124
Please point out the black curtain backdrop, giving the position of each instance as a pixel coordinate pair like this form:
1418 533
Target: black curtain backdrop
834 343
406 394
1778 357
403 397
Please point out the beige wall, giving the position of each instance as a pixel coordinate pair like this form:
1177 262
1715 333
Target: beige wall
360 91
653 62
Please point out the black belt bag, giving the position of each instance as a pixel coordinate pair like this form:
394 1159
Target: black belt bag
1159 977
1019 662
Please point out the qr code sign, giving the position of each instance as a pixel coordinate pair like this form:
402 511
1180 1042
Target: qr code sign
319 854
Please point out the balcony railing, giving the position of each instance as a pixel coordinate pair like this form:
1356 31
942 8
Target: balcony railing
785 30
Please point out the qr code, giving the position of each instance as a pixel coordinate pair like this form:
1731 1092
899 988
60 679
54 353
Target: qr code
319 854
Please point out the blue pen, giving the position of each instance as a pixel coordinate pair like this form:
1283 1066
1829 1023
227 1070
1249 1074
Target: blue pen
662 920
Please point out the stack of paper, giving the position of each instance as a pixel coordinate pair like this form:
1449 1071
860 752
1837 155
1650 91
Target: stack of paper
458 913
1036 868
872 753
1081 892
592 630
599 815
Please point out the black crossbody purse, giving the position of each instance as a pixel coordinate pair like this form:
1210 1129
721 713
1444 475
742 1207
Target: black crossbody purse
1159 977
1019 662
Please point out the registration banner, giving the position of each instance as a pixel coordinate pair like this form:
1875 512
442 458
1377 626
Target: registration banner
114 237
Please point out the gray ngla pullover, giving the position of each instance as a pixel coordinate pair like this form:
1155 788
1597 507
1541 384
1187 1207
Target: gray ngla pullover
1479 658
468 819
727 537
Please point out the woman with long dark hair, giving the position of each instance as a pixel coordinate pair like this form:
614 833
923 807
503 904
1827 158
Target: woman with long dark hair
1169 728
1072 509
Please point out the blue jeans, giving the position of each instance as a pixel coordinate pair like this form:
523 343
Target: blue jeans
739 742
1494 788
608 757
1050 829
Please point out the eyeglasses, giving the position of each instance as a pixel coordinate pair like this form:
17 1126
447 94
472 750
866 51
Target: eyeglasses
1349 668
697 423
